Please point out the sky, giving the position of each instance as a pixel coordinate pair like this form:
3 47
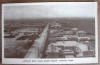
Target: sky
49 10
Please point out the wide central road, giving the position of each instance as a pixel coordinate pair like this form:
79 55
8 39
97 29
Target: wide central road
37 49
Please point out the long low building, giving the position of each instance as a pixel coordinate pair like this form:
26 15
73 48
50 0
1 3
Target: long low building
65 45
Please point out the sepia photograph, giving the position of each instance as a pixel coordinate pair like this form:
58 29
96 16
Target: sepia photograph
46 31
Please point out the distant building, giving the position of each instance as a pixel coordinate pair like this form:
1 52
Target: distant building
55 25
81 33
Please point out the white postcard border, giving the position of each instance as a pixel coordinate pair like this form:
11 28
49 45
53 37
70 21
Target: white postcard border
50 61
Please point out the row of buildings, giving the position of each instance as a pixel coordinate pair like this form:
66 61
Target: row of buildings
69 42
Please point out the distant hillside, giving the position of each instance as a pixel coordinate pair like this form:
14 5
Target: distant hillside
86 24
